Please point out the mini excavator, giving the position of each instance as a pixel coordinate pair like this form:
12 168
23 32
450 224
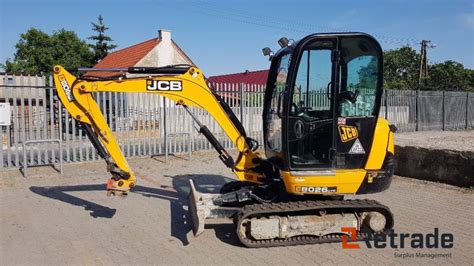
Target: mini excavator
323 139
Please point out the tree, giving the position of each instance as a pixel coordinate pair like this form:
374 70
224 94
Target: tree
401 68
70 51
367 74
450 75
33 54
470 77
37 52
401 71
102 46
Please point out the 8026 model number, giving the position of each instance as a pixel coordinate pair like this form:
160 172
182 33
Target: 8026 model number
316 189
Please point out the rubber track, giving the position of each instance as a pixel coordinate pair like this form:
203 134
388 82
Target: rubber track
286 208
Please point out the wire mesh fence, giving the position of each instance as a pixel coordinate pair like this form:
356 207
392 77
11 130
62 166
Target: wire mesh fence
146 124
412 110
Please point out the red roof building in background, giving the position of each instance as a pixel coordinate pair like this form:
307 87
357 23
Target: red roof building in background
125 57
156 52
229 86
255 80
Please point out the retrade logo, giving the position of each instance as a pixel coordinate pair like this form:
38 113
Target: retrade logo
434 240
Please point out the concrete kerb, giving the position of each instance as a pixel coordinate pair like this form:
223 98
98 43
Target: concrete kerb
445 166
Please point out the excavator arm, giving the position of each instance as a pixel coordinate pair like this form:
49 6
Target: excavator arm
184 85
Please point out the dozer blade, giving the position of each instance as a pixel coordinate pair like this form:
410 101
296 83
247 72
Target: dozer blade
202 207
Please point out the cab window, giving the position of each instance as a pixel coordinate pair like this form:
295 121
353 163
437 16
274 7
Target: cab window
360 66
274 140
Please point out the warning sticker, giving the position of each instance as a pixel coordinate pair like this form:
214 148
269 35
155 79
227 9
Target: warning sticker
357 148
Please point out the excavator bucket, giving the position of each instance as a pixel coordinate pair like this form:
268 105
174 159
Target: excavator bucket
202 207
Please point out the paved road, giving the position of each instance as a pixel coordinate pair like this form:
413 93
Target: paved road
52 219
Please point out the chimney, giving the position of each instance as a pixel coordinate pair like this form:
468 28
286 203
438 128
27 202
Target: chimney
164 35
165 48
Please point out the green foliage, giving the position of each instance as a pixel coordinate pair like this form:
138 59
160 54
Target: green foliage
37 52
70 51
450 75
401 68
33 54
103 42
401 71
367 77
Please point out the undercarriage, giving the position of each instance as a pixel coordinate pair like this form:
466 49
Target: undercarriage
285 221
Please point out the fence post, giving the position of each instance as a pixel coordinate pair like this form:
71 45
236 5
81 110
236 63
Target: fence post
386 103
417 116
165 133
467 109
242 102
444 112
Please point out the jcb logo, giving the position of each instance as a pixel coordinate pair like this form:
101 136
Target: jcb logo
164 85
347 133
65 86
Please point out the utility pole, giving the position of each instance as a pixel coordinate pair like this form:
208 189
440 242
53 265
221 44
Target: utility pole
423 74
423 77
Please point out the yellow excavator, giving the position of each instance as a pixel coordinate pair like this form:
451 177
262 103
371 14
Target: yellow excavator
323 139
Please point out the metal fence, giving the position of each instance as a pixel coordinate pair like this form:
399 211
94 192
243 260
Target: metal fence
412 110
145 124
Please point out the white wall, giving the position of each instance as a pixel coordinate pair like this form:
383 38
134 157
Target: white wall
165 53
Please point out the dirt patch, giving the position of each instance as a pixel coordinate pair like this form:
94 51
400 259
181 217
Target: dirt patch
53 219
440 140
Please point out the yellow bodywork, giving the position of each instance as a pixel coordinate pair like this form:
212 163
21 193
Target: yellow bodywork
347 181
76 96
381 143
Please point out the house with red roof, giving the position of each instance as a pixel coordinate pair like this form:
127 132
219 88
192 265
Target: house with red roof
229 85
156 52
257 78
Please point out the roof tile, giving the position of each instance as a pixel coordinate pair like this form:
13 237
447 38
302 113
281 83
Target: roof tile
258 77
124 58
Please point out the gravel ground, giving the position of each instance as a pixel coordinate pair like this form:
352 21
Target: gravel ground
51 219
445 140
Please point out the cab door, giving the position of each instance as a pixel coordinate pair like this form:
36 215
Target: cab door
332 101
358 99
310 120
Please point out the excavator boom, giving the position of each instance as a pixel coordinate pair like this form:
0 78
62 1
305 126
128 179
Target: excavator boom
184 85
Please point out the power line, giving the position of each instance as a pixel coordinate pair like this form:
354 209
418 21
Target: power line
240 16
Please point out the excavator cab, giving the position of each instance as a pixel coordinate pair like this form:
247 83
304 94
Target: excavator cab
322 102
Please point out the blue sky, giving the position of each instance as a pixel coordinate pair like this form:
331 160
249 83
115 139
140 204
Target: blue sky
227 36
